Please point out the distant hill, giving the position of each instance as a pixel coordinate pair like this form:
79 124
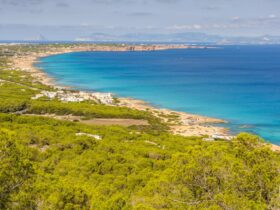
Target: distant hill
191 37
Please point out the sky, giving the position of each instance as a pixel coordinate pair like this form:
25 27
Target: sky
70 19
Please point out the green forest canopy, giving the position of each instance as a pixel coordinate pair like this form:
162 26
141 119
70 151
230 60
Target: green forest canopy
45 164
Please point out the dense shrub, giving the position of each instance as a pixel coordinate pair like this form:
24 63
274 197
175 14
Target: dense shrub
125 171
12 105
46 165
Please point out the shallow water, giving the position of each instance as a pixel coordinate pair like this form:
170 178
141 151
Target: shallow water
240 84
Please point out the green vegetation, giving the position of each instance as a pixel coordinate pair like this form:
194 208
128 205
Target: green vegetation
84 109
131 170
46 164
11 105
17 89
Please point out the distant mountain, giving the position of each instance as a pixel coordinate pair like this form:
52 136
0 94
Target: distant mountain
191 37
267 39
15 32
178 37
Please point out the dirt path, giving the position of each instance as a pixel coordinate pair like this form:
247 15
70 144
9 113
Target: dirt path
121 122
97 121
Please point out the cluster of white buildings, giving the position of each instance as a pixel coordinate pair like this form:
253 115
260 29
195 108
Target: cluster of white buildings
68 96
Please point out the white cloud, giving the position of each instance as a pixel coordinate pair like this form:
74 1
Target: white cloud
200 27
85 24
235 18
185 27
197 26
272 16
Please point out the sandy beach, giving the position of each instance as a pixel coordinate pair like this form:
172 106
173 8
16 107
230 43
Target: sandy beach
183 123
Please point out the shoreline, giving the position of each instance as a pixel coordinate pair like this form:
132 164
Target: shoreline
187 124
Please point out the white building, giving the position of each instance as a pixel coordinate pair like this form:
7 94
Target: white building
104 98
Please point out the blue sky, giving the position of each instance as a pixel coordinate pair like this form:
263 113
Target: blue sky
72 18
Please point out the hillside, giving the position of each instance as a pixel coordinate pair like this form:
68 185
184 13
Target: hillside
52 159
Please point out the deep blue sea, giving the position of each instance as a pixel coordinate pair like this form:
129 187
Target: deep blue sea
240 84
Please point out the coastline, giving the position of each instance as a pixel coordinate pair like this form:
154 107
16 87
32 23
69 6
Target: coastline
186 124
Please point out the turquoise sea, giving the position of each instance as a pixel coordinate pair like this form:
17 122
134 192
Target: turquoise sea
240 84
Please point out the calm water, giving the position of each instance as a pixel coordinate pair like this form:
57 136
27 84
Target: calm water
238 83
